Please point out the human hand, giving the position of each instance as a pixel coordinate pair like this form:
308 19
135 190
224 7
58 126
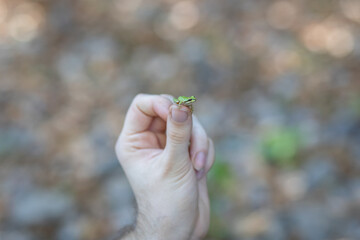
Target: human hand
167 175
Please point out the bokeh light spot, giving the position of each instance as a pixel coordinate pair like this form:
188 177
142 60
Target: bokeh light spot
282 14
340 42
314 37
127 6
24 25
351 9
184 15
332 36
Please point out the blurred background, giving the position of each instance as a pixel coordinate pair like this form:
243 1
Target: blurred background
278 90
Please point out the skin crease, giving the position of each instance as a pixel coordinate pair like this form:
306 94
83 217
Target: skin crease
167 175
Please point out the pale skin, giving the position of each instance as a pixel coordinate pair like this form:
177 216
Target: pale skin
166 154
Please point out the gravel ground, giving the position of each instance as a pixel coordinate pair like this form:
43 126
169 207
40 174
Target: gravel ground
278 90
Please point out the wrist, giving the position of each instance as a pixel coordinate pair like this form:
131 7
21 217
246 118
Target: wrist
157 227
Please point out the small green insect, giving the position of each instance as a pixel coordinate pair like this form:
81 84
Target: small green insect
185 101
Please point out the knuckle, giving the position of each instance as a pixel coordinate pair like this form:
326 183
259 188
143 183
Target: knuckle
139 96
167 96
204 143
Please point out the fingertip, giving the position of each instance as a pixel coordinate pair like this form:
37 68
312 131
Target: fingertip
200 161
179 114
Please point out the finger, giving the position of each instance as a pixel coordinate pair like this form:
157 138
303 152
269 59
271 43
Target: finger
203 221
161 139
209 160
168 96
157 125
142 111
199 145
178 132
210 157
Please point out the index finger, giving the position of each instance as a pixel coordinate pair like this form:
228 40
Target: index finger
142 111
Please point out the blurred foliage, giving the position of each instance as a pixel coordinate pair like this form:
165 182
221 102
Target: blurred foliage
221 176
221 185
355 105
280 147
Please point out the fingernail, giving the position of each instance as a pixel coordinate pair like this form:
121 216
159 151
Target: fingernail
200 160
200 174
179 115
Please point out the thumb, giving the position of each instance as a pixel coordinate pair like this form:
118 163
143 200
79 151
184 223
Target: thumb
178 131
